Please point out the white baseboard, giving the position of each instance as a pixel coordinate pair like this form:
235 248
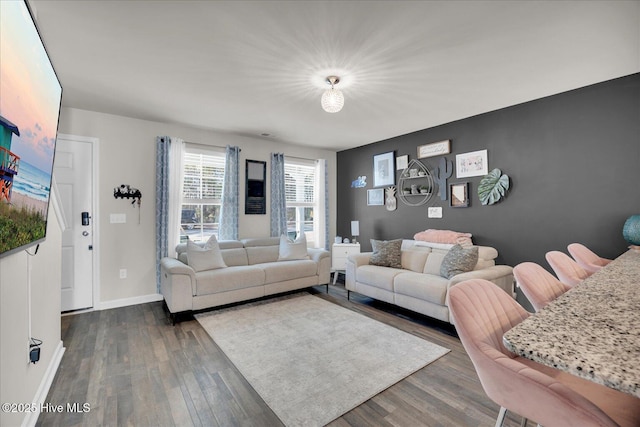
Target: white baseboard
45 385
124 302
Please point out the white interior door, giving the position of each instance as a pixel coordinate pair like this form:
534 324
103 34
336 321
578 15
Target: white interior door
73 174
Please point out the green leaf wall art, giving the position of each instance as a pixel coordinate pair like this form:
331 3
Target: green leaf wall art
493 187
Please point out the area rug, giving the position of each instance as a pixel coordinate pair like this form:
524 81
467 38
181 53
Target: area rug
312 360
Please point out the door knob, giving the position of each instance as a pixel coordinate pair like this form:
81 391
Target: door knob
85 233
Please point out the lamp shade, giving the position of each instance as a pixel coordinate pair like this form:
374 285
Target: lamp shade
631 230
355 228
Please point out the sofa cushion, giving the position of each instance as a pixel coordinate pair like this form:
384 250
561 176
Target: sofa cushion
262 254
386 253
426 287
207 257
434 261
379 277
458 260
279 271
235 257
228 279
414 258
291 250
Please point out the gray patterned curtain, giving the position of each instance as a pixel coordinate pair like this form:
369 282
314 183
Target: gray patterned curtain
230 196
278 209
325 171
162 202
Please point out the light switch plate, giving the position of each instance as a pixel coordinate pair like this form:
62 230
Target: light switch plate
118 218
434 212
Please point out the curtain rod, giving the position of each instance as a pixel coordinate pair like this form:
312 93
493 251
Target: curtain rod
209 145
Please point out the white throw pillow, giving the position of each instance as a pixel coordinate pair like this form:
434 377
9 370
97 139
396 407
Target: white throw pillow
292 250
208 257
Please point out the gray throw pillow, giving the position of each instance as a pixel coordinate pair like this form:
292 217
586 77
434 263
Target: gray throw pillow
386 253
458 260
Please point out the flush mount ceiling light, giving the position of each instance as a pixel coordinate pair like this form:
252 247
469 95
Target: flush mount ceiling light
332 99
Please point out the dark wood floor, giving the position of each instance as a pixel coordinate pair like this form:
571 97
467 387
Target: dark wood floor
134 368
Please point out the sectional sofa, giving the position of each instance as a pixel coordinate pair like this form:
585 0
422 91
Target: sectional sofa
250 268
417 282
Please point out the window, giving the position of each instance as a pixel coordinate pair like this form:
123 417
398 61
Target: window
201 192
301 191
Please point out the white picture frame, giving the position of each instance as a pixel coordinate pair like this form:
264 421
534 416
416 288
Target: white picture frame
474 163
384 171
402 162
375 197
434 149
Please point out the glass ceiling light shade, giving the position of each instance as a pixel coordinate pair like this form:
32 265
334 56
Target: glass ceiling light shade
332 99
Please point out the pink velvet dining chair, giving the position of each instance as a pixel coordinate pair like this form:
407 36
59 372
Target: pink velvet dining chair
482 313
538 285
586 258
567 270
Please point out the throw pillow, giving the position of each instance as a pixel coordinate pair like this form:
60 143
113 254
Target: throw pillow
458 260
207 257
292 250
386 253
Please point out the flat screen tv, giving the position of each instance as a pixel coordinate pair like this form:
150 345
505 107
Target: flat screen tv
30 96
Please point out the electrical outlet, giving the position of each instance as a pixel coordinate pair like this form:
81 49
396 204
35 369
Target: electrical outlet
123 273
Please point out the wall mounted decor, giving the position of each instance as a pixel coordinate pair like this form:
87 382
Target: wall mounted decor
434 149
459 195
474 163
390 201
255 200
383 169
375 197
442 172
125 191
416 184
361 182
402 162
493 187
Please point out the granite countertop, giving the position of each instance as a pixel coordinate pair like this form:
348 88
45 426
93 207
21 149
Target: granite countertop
593 330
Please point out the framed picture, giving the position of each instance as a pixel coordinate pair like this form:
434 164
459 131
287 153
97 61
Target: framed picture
402 162
474 163
384 172
459 195
434 149
375 197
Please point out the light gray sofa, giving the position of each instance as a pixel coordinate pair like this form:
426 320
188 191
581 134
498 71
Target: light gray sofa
418 285
252 271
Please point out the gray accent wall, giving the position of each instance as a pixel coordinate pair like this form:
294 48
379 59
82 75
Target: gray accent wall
574 163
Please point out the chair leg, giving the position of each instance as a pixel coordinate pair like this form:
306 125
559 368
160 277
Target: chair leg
523 423
501 416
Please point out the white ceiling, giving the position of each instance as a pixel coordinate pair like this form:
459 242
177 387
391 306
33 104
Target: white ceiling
253 67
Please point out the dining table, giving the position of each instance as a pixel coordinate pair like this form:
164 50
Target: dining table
592 330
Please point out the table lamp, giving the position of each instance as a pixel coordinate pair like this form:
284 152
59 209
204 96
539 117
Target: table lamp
355 230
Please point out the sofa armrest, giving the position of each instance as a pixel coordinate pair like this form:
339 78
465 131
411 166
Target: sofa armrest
501 275
323 259
353 262
177 284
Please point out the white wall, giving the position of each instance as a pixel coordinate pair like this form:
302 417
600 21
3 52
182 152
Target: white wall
127 156
21 380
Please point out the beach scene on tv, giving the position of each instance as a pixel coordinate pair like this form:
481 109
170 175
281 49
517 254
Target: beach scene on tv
29 109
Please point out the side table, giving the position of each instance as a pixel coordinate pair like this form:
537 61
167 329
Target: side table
339 254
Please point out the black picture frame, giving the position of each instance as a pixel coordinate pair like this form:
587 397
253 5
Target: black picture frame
459 195
255 201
